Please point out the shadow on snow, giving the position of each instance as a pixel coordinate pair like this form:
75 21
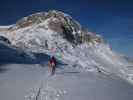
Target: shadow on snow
10 55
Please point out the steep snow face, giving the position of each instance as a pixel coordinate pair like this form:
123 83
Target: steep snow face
56 33
99 58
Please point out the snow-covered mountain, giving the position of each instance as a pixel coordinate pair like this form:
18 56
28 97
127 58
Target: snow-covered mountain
56 33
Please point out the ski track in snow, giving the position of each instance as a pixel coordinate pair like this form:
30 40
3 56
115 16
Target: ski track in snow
44 91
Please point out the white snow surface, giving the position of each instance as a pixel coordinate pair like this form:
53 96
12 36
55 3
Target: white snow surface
88 57
74 79
33 82
6 26
89 71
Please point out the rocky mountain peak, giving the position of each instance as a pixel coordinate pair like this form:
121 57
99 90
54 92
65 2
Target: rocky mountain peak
40 17
36 29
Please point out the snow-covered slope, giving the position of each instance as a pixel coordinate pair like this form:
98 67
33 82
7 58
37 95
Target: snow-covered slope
31 82
56 33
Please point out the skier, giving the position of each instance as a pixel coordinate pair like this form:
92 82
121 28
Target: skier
52 65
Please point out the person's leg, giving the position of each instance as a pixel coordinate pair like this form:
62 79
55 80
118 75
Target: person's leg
53 68
50 68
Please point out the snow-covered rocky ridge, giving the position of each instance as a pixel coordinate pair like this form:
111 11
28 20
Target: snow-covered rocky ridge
56 33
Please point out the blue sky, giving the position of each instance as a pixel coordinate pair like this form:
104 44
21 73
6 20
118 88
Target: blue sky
113 19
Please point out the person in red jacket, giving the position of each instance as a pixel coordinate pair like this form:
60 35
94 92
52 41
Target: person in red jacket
52 65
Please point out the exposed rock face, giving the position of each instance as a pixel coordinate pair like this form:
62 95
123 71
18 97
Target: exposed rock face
56 21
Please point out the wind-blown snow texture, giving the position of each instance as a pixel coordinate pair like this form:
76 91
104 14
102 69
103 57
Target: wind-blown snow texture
80 54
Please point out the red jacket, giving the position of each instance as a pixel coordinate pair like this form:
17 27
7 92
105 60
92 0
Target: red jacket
52 60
